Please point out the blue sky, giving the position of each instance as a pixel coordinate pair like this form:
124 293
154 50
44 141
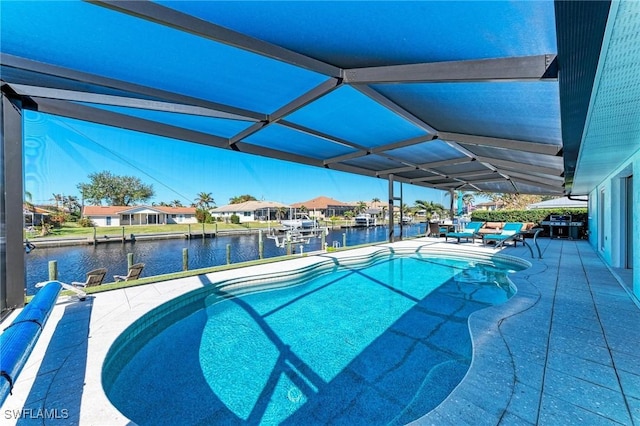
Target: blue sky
60 153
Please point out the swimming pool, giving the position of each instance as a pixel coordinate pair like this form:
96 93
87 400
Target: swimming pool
375 339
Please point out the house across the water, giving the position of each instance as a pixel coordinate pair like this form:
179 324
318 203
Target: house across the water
34 215
251 211
321 208
139 215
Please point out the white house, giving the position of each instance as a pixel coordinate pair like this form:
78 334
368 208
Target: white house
34 215
250 211
139 215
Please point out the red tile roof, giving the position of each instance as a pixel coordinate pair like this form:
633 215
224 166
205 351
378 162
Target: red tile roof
319 203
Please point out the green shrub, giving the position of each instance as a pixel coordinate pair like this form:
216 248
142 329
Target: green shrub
235 219
85 222
535 216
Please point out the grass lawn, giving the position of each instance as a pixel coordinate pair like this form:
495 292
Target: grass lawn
71 229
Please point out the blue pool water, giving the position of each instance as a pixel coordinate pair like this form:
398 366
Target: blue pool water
378 342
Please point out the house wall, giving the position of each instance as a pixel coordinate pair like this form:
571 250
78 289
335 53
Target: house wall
102 220
140 219
317 214
181 218
608 233
244 216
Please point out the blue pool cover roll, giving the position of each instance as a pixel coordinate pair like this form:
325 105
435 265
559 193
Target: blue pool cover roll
19 338
40 307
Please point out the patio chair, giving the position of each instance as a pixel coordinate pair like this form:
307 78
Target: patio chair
133 274
436 230
94 278
510 232
470 232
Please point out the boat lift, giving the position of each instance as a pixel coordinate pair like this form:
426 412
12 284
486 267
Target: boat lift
296 235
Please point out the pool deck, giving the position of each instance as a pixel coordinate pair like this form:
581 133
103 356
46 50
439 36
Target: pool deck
564 350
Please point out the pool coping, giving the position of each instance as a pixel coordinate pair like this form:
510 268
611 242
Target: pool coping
483 396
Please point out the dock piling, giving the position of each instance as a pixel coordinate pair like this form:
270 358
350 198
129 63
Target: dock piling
185 259
53 270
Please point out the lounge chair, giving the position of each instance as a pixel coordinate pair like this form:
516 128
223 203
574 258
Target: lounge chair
510 232
470 232
94 278
133 274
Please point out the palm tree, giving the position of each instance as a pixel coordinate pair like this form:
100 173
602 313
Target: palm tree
176 203
242 198
58 199
405 211
281 212
204 200
430 208
29 205
361 207
28 198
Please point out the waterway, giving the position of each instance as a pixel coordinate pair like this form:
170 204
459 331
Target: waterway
165 256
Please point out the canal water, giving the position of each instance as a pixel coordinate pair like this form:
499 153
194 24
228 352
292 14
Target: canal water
165 256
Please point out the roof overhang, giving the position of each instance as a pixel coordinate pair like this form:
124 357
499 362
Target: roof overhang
480 99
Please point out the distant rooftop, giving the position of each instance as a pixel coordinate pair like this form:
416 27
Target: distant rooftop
320 203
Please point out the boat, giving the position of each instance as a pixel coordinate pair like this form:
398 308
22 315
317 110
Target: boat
365 219
299 222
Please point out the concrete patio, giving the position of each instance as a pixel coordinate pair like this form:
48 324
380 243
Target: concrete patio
563 350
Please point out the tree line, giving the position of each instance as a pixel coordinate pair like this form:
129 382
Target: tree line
105 188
